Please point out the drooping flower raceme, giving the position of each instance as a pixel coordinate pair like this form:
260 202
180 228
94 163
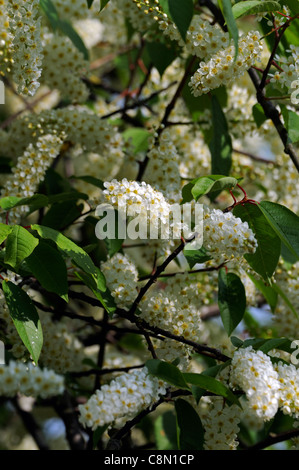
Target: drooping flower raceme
25 27
142 200
222 69
30 380
121 276
226 237
254 373
288 388
121 400
221 426
30 170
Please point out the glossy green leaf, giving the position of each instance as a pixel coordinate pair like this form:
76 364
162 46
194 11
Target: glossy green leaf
51 12
19 245
91 180
99 289
161 55
252 7
212 183
181 13
67 28
210 384
69 248
266 256
25 318
226 7
267 291
165 431
49 268
138 138
4 232
34 202
196 256
231 300
221 143
167 372
291 120
284 222
190 432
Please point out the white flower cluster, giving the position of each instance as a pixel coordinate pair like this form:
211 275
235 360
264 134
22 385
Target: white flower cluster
85 130
288 388
221 426
121 277
63 67
222 69
254 373
226 237
25 27
72 9
288 73
92 133
163 168
121 400
239 111
176 314
202 38
5 40
30 171
29 380
133 198
139 14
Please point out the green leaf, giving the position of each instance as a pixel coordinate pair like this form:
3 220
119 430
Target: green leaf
196 256
100 290
69 248
25 318
284 222
4 232
285 299
161 55
97 434
165 431
292 4
226 8
231 300
35 202
19 245
266 256
72 34
62 214
91 180
221 143
167 372
50 10
190 432
210 384
67 196
49 268
252 7
258 113
212 184
65 26
268 291
139 138
103 3
291 120
181 12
